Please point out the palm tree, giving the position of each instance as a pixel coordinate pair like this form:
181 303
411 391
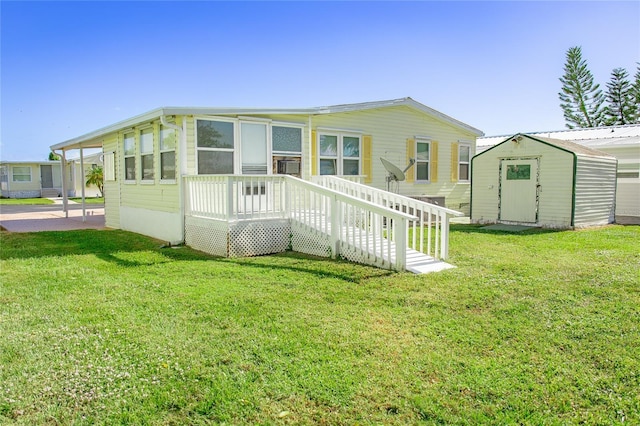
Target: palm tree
96 177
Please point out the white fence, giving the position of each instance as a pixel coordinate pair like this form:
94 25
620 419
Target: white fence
337 218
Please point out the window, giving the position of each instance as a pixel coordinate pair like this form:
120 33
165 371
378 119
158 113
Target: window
146 154
464 152
339 154
167 153
215 145
21 173
129 157
423 158
286 146
519 172
628 169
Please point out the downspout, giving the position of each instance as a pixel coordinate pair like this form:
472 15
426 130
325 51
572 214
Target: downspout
182 155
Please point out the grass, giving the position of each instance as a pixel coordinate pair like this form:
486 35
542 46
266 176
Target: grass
88 200
24 201
103 327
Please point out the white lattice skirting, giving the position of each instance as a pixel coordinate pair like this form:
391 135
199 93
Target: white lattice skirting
237 239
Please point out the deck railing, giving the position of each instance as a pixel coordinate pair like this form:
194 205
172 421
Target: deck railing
357 228
235 197
432 228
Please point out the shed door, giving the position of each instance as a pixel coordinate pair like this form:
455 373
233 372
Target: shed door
46 175
518 190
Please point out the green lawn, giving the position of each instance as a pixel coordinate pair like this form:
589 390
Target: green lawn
24 201
88 200
107 327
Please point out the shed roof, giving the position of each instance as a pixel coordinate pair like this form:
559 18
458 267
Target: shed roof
572 147
89 140
594 137
569 146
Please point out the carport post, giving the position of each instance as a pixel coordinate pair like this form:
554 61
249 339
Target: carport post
65 202
84 214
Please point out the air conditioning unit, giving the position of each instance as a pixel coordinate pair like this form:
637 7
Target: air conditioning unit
288 167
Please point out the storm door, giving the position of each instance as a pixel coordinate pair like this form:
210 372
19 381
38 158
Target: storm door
519 190
254 160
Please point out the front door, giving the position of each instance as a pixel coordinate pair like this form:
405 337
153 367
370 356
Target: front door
46 177
519 190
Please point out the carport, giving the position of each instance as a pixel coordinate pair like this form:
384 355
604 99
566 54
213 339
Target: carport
61 149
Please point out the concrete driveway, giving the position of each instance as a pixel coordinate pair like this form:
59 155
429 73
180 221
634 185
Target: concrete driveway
50 217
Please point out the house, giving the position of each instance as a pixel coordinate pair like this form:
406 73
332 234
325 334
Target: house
623 142
247 181
534 180
31 179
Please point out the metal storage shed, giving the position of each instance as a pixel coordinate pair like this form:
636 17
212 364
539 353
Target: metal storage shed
544 182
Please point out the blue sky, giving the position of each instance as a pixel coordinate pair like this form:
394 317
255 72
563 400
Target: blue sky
71 67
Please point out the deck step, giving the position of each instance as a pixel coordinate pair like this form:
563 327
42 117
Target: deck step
420 263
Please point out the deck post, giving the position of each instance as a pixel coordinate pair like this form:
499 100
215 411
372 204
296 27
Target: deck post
444 235
229 197
400 235
335 227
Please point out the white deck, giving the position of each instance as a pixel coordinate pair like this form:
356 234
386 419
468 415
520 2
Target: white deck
368 224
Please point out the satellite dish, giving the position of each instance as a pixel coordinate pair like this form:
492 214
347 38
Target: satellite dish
395 174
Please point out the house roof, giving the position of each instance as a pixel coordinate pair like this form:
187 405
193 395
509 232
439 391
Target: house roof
24 162
569 146
595 137
89 140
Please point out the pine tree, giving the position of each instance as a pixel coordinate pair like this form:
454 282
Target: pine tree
636 94
621 108
580 99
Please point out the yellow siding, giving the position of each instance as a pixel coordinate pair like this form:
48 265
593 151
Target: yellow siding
33 185
366 158
112 188
148 194
390 128
454 162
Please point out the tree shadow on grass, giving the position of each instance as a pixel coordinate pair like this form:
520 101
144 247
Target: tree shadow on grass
125 250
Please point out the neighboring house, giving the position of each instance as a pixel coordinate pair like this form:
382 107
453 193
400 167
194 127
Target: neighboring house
31 179
623 142
78 175
230 164
545 182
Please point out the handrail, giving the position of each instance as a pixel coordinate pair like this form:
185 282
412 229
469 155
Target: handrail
437 239
331 181
376 208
